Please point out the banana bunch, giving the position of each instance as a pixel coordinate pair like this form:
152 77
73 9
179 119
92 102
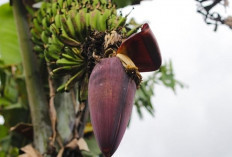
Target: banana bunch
59 30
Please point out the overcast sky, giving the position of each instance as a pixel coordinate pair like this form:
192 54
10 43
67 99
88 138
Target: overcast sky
196 122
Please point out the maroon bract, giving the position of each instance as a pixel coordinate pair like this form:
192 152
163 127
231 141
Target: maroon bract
110 96
142 48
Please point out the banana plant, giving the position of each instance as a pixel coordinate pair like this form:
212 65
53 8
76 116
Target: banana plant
89 59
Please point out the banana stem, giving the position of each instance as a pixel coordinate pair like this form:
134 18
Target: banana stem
37 101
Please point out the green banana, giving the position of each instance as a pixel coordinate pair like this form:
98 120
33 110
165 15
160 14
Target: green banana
35 33
68 50
65 69
132 31
53 29
69 2
65 62
77 52
38 49
36 24
60 88
50 56
87 21
94 17
69 41
43 8
74 79
36 41
54 40
121 22
104 18
44 37
60 2
54 8
84 88
78 26
44 23
71 58
57 20
60 30
71 27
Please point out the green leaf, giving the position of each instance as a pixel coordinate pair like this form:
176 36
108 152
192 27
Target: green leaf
3 131
14 115
144 94
9 46
2 154
124 3
93 147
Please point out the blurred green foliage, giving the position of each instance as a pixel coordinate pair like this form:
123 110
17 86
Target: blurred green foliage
164 76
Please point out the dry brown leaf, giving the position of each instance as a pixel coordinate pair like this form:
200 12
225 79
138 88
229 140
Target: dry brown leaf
72 144
81 144
226 3
60 152
228 21
30 152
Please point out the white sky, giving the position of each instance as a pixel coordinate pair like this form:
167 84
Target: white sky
196 122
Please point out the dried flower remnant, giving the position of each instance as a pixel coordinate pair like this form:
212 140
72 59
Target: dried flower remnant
228 21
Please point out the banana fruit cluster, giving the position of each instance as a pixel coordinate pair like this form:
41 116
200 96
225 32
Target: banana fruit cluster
59 30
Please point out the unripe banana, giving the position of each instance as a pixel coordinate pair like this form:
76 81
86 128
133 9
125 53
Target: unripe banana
56 41
71 27
132 31
74 79
51 54
84 88
82 22
36 41
44 37
54 30
43 9
78 53
106 15
62 30
79 26
36 24
44 23
61 88
65 62
68 50
38 49
87 21
35 33
121 22
60 2
54 8
69 2
69 41
57 21
64 70
94 17
71 58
